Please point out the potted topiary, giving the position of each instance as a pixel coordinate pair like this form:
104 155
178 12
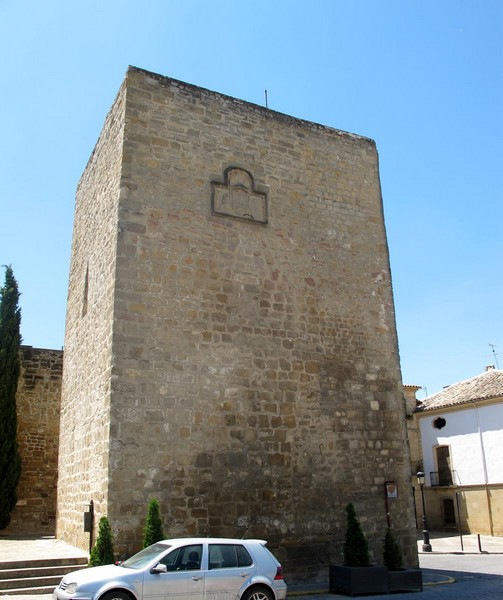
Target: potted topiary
391 554
399 579
356 575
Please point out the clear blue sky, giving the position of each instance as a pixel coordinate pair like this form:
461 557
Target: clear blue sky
424 78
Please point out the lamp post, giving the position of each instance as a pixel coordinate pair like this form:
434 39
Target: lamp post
426 533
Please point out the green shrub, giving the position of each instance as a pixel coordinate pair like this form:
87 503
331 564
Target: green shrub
103 550
153 531
392 555
356 551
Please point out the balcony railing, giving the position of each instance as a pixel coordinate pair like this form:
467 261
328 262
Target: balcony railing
440 478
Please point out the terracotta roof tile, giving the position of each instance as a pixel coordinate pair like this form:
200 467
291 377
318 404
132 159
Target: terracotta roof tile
486 386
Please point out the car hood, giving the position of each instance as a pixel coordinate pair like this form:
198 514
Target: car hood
98 574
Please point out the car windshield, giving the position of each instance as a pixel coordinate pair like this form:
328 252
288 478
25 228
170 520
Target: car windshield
143 557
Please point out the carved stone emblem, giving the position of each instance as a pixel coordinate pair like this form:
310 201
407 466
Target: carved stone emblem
238 197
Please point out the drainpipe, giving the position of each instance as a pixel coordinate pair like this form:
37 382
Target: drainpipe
484 465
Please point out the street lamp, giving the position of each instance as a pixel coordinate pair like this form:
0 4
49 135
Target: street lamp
426 533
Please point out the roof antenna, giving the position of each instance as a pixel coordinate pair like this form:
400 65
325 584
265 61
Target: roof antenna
495 355
266 104
250 524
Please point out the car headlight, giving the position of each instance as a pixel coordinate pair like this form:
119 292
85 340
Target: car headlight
71 588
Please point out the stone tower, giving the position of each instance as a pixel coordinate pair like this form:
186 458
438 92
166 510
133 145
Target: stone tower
230 342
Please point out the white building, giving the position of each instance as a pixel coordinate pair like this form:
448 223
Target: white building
461 442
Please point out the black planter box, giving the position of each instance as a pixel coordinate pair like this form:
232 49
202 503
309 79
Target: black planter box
405 580
354 581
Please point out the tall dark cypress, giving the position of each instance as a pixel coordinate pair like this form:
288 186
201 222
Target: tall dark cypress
10 341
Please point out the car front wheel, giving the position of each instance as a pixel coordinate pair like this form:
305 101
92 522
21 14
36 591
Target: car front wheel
116 596
258 593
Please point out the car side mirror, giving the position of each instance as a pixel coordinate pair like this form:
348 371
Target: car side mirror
159 568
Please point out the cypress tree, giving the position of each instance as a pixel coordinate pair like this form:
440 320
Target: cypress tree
356 552
103 550
10 341
153 531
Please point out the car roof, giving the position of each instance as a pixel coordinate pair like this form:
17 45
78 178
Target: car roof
202 540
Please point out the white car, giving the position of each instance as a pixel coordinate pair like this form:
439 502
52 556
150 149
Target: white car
185 569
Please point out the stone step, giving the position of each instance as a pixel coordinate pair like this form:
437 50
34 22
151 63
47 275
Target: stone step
38 576
28 592
42 562
28 582
27 572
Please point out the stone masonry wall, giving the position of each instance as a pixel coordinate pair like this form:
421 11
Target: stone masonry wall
38 399
254 380
84 440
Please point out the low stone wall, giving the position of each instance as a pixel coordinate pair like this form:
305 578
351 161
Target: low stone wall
38 403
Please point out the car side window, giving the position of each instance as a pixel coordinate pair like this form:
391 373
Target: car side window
171 560
228 556
191 557
184 558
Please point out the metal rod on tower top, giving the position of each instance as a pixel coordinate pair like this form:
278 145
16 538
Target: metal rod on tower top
266 105
495 355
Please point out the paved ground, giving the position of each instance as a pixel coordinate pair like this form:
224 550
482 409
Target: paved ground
449 573
19 548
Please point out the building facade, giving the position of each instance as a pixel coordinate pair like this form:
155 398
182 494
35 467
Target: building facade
461 433
230 339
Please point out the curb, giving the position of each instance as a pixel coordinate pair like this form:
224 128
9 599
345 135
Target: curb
448 579
483 553
312 592
307 593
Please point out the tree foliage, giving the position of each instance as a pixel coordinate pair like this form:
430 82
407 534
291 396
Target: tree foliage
356 552
392 555
102 552
10 341
153 531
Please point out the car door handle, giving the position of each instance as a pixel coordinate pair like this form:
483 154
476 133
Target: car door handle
244 574
196 578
